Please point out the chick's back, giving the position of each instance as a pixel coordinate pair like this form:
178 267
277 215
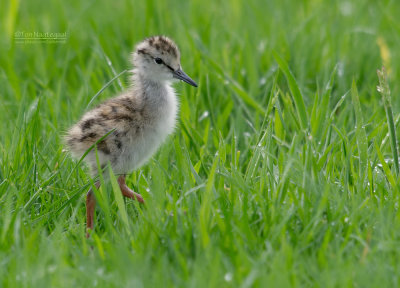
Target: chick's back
121 115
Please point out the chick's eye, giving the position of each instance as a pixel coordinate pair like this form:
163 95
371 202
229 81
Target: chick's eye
158 60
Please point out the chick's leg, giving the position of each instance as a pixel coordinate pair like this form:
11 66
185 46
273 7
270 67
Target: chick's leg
90 206
127 192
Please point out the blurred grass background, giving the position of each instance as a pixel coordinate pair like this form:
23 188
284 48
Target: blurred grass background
246 193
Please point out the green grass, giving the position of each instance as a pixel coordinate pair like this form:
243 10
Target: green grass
281 172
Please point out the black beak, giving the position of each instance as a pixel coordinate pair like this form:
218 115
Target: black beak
179 74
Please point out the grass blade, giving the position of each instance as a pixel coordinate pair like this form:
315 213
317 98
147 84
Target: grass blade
205 208
389 175
118 198
294 89
384 89
104 87
361 135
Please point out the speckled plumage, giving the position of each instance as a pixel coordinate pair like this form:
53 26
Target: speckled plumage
140 124
142 117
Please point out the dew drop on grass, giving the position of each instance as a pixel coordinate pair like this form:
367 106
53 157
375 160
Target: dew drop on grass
261 46
20 276
51 268
109 63
203 116
100 272
228 277
340 71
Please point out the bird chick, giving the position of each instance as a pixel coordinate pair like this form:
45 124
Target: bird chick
137 121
